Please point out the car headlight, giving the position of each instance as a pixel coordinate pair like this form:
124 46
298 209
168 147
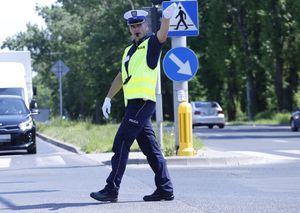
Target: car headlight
297 116
26 125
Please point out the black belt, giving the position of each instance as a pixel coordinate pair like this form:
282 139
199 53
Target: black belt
137 101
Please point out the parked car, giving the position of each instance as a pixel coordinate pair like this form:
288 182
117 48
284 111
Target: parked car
17 127
295 120
207 113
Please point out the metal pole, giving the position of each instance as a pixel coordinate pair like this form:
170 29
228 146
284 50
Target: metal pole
131 4
60 90
180 89
159 111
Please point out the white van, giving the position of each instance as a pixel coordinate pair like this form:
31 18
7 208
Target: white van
12 81
15 75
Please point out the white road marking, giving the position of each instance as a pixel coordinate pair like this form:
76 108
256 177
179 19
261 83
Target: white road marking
280 141
296 152
50 161
272 157
5 162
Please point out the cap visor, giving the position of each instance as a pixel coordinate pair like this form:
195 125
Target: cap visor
135 20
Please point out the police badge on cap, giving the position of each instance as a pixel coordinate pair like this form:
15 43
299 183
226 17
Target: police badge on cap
135 16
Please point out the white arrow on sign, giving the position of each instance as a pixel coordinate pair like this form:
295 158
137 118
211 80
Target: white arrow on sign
184 68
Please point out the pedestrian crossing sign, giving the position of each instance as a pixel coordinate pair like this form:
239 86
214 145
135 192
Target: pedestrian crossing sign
184 21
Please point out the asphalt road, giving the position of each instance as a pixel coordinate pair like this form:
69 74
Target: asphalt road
55 180
274 140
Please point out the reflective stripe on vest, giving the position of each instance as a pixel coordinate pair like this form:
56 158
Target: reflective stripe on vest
142 83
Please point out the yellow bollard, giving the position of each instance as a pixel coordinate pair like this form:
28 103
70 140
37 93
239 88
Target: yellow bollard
185 130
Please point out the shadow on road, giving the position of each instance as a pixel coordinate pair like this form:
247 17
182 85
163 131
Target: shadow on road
57 206
4 153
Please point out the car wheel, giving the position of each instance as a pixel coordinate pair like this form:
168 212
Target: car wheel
221 126
210 126
32 149
293 127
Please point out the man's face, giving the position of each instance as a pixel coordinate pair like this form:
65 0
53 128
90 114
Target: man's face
138 31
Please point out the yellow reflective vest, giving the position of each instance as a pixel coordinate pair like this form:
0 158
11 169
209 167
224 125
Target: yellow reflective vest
142 79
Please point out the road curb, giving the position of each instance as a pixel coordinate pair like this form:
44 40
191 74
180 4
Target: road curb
199 161
137 158
61 144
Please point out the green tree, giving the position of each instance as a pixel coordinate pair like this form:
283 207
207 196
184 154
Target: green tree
248 53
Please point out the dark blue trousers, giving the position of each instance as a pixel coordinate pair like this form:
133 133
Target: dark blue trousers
136 124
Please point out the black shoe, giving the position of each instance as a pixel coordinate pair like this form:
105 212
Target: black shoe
158 196
108 195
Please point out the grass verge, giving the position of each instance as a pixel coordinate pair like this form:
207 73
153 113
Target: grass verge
269 119
93 138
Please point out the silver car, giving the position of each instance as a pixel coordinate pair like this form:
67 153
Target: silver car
207 113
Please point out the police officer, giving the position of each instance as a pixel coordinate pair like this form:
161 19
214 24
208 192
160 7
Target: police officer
138 78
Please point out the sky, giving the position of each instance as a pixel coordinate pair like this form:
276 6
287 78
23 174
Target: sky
15 14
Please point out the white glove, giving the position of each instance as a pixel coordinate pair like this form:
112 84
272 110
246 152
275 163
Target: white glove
106 107
169 11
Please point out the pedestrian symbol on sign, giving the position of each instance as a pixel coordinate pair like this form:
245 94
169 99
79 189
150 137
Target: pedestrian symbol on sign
182 17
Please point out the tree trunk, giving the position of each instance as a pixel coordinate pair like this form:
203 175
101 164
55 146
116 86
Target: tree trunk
277 40
240 17
293 78
232 75
278 80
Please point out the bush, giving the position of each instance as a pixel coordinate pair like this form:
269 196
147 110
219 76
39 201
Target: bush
282 118
264 115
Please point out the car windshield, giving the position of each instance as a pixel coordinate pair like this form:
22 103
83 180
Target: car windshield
12 106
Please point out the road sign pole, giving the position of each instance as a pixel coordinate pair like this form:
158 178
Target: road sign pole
60 69
180 89
60 92
159 110
181 63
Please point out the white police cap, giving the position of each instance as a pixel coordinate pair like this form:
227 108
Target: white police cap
135 16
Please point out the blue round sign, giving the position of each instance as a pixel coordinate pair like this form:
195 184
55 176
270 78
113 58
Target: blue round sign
180 64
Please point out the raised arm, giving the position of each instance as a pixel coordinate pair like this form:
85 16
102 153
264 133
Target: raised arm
162 33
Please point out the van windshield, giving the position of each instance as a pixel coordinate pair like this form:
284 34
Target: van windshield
12 91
